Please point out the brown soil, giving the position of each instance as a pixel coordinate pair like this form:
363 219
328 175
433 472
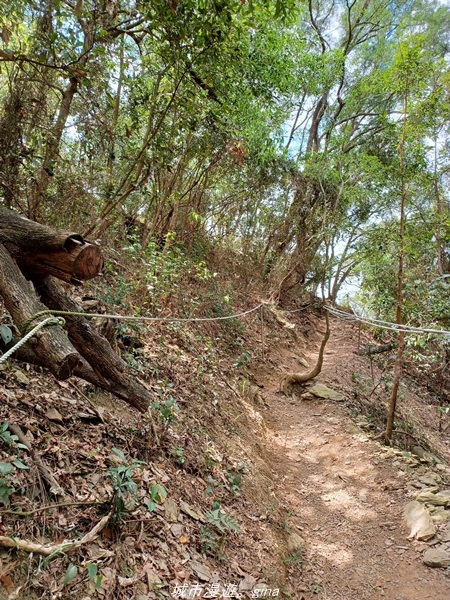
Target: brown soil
340 490
342 496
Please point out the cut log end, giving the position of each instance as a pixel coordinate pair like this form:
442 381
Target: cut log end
50 344
41 249
88 262
63 363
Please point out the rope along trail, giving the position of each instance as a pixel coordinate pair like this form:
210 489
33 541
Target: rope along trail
56 319
46 323
341 314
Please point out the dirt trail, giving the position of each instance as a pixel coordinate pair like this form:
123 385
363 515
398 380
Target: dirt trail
343 498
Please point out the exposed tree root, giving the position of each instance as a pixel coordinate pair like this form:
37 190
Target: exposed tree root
289 327
48 549
292 378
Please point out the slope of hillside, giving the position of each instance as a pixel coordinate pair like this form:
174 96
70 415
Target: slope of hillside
228 488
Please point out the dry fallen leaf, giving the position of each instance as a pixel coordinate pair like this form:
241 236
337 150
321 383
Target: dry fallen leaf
7 582
53 415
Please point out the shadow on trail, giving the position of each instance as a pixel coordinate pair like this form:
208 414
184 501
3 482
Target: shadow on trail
343 498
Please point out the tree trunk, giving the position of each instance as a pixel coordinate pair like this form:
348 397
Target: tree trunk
399 312
50 344
41 249
11 144
109 370
54 136
82 370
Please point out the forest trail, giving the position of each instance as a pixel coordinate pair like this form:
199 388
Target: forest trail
342 494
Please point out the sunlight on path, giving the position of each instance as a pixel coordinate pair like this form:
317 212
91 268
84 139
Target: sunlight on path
331 479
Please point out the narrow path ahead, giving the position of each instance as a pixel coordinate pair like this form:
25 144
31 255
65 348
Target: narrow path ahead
344 498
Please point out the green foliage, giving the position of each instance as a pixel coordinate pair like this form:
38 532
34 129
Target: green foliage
315 588
178 454
220 519
235 482
7 469
208 541
157 496
167 409
92 571
164 272
9 438
5 333
426 300
296 557
71 573
93 576
6 480
212 540
124 484
126 488
243 360
213 483
249 131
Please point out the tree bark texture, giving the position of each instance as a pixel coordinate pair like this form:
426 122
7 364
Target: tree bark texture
108 370
50 344
41 249
82 370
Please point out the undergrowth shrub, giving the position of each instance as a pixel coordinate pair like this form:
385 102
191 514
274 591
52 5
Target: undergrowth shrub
152 279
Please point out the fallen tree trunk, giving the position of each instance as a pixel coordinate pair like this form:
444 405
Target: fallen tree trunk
370 350
29 250
50 344
41 249
83 370
109 369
